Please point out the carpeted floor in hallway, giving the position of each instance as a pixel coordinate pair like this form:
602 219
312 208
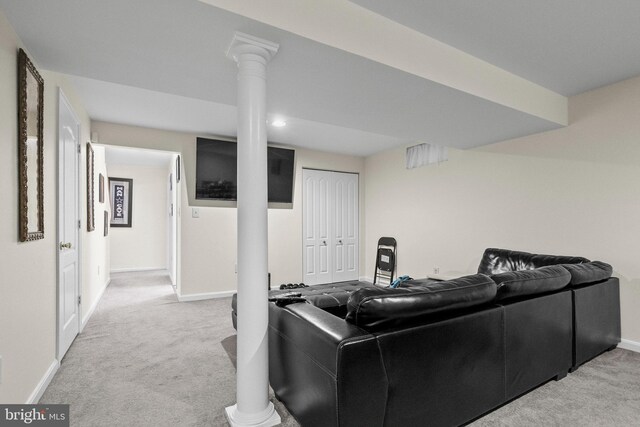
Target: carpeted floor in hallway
146 360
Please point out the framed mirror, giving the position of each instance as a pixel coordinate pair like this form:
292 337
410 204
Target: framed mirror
30 150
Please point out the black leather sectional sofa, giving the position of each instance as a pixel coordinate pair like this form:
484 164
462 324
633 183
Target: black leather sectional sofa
440 353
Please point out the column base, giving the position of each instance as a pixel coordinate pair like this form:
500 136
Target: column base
267 418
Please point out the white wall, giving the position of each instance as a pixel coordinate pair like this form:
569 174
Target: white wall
573 191
143 246
208 243
95 250
28 287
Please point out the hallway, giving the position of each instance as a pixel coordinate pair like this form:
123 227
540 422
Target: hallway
146 360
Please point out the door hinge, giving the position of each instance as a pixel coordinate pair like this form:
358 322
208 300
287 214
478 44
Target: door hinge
79 225
79 149
79 299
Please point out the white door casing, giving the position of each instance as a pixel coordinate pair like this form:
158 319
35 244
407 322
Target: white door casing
330 226
69 317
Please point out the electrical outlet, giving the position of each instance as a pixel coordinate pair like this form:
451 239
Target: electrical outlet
195 213
436 270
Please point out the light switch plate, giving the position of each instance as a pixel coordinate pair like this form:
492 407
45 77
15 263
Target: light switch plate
195 213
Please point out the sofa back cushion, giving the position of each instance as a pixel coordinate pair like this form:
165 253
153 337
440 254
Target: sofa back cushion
376 308
589 272
496 261
514 284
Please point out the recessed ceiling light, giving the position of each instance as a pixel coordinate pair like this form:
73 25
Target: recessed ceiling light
278 123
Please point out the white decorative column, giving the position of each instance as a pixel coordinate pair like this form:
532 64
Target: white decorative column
253 407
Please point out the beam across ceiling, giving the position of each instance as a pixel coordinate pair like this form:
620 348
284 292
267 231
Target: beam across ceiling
354 29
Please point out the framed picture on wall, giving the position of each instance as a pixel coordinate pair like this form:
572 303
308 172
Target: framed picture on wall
101 189
121 195
91 221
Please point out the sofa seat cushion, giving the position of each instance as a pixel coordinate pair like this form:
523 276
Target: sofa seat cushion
590 272
375 308
331 297
514 284
496 261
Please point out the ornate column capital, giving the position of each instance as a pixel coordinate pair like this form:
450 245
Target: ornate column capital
244 44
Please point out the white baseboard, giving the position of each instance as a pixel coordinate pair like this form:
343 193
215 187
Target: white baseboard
366 279
629 345
44 383
208 295
94 304
135 269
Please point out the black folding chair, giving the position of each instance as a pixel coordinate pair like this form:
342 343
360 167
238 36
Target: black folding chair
385 260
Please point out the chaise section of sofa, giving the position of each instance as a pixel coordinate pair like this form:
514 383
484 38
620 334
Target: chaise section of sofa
442 369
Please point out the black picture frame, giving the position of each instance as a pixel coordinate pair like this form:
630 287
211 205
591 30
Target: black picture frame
121 198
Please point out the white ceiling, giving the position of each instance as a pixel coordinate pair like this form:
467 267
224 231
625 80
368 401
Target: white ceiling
162 64
125 156
568 46
111 102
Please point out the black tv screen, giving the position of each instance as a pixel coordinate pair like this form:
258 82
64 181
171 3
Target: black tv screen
217 171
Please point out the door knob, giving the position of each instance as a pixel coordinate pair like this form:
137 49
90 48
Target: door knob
65 245
324 243
339 242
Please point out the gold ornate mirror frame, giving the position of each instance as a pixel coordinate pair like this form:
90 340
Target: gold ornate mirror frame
30 150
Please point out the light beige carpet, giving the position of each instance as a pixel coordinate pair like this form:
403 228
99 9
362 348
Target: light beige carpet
146 360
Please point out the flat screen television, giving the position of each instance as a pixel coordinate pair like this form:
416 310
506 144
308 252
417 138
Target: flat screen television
217 171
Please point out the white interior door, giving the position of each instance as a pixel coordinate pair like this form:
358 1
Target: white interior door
68 227
345 229
330 226
170 228
317 206
172 221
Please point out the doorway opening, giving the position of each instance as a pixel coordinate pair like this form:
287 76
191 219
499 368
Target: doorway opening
145 224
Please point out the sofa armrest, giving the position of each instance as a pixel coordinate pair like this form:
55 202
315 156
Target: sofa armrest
326 371
313 331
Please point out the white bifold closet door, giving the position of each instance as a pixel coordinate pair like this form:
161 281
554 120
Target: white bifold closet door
330 226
